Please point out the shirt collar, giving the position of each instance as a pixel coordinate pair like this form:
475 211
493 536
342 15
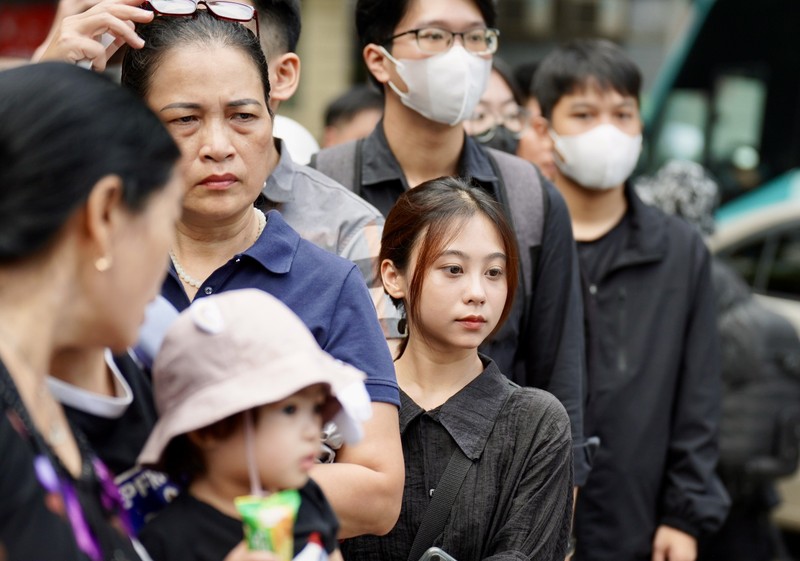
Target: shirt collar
469 416
278 187
99 405
379 165
475 162
276 247
647 241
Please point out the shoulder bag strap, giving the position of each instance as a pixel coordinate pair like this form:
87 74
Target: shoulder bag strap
444 496
441 504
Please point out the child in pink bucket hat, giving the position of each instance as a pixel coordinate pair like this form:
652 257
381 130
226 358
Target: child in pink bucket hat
242 390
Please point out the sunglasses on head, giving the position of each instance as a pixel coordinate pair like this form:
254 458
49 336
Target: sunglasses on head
230 11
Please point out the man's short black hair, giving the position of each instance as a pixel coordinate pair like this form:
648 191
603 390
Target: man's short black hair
376 20
504 71
577 64
344 108
280 24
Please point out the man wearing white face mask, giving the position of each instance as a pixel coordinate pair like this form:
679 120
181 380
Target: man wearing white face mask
432 59
653 373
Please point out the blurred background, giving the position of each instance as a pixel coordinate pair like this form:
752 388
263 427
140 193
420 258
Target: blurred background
721 88
332 61
720 76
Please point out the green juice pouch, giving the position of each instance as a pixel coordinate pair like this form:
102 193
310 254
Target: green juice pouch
269 522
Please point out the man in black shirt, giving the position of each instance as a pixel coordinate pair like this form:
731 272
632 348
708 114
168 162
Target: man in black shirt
654 384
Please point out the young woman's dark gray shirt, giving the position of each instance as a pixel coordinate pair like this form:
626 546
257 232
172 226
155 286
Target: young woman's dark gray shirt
516 500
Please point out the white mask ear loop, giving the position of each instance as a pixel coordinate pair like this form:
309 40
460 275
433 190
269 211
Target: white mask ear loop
399 67
250 447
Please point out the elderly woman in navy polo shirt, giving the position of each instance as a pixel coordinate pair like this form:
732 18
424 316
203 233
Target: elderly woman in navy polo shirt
207 80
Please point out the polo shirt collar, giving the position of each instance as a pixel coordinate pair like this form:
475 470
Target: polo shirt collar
276 247
469 416
379 165
278 187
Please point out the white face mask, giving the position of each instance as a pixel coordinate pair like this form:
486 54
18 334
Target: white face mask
602 158
444 88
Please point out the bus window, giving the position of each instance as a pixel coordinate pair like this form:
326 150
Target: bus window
682 136
737 128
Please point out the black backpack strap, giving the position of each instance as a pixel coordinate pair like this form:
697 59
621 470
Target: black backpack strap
521 191
444 496
341 163
535 251
438 511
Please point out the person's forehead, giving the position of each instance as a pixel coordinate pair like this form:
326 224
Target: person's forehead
497 93
187 69
448 14
592 91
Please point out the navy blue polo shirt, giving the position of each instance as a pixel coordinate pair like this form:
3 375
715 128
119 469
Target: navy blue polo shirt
326 291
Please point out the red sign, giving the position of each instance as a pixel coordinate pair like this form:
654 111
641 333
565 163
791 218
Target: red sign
23 27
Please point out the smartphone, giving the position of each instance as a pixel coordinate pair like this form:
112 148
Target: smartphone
436 554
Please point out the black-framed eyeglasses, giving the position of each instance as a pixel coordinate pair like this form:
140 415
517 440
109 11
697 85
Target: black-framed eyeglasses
230 11
483 123
433 40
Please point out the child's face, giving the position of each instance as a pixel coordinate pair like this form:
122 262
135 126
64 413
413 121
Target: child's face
287 438
464 291
587 107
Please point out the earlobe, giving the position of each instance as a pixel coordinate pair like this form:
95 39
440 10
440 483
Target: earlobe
285 77
376 62
394 281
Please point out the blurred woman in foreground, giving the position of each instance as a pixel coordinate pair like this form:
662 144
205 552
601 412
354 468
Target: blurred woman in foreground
207 79
88 203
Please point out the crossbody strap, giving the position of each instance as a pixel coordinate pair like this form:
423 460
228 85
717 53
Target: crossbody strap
438 510
444 496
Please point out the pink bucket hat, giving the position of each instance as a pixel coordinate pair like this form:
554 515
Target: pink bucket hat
238 350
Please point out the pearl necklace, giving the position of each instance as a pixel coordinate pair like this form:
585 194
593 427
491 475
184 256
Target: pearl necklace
193 282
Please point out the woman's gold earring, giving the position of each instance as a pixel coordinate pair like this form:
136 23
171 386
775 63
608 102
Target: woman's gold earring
102 264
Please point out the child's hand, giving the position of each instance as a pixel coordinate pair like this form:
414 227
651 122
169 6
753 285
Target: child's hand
241 553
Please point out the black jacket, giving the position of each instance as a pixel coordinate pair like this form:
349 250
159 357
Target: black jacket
654 393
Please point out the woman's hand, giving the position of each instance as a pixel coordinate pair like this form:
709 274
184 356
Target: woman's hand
68 8
671 544
75 38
